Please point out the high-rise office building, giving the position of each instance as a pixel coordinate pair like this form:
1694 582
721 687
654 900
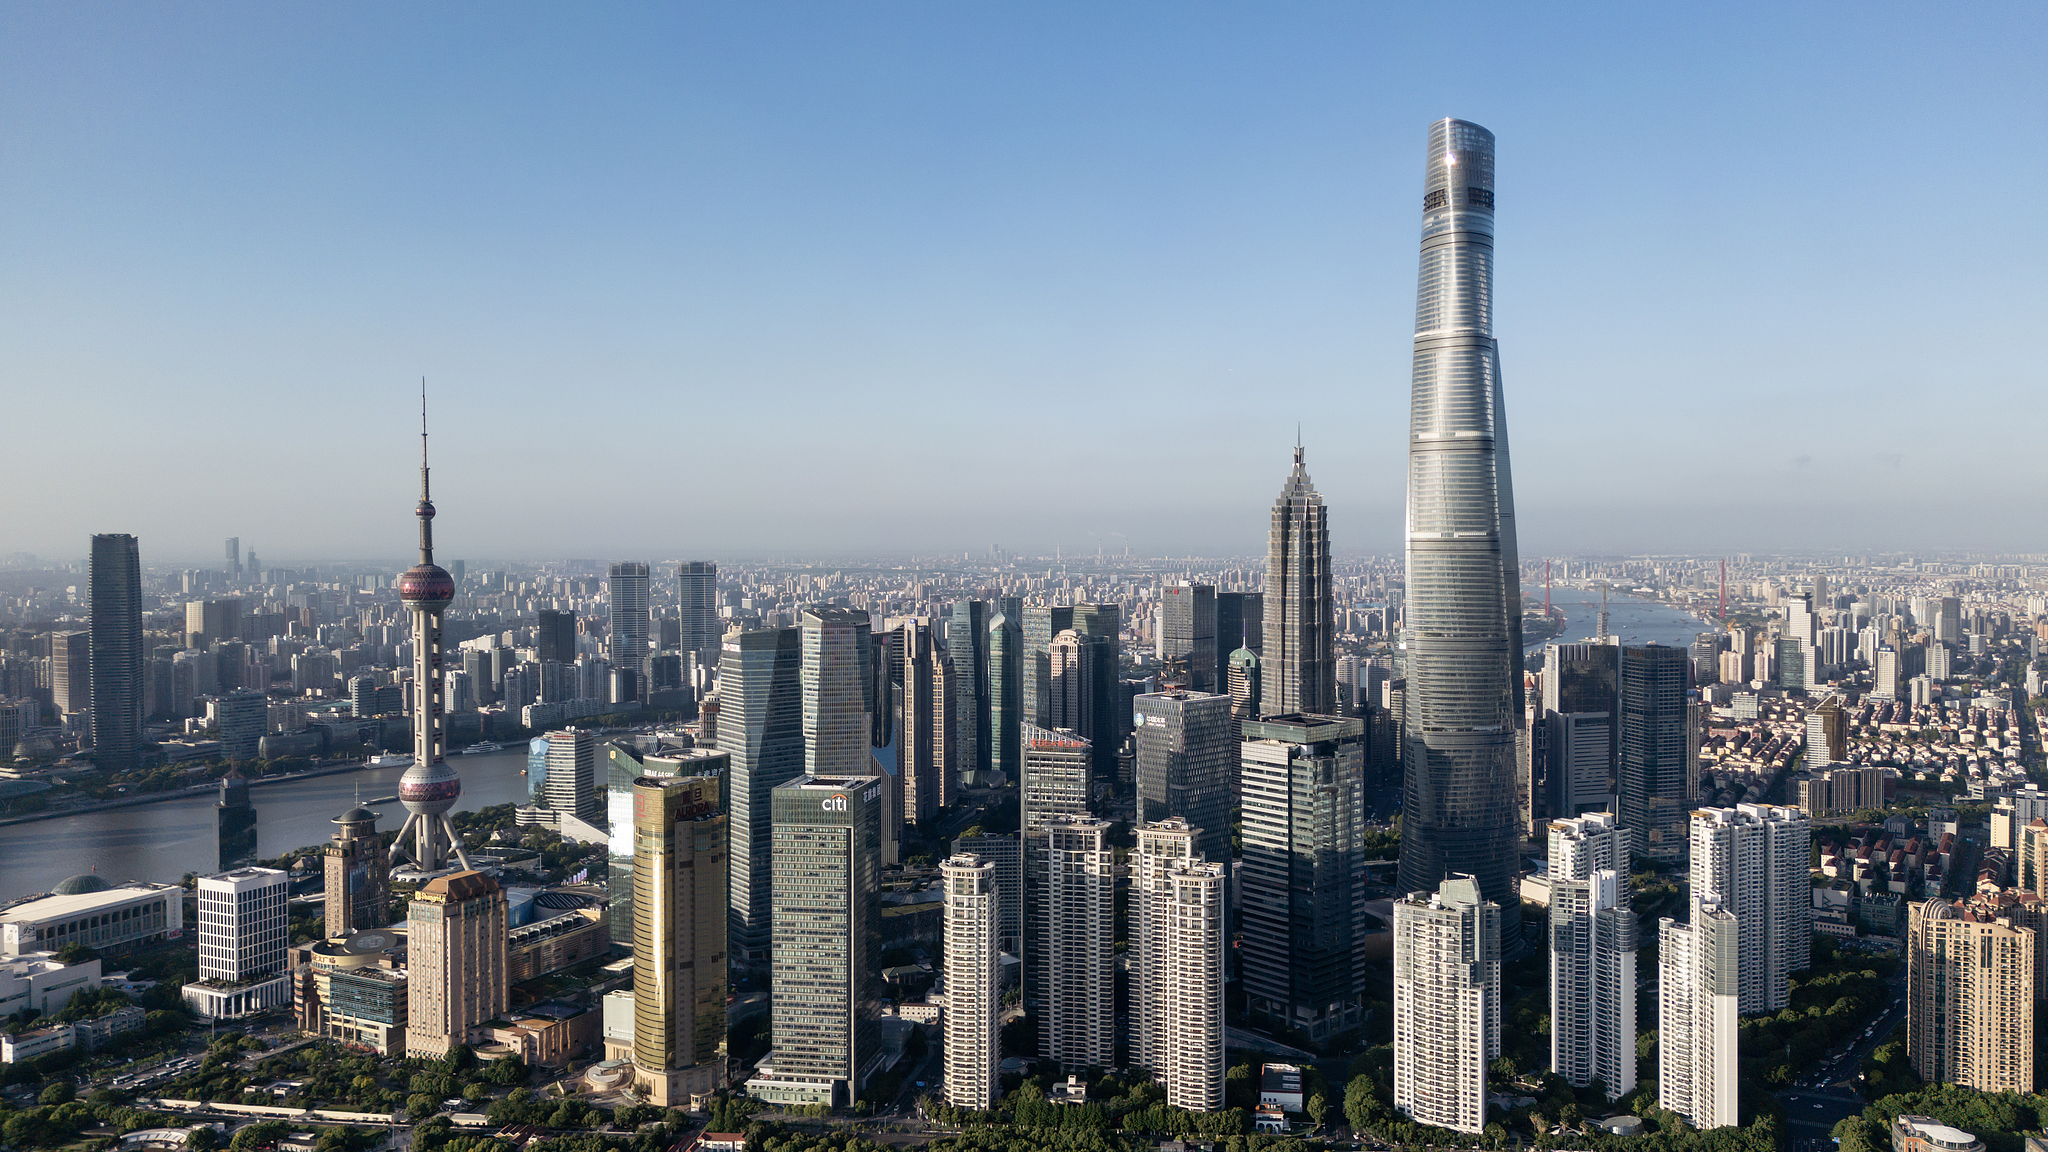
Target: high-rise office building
114 624
1300 877
1077 1004
1970 998
973 982
1058 764
697 595
1699 996
925 738
1659 750
456 975
761 723
1592 955
356 876
1187 632
235 822
967 703
1242 684
555 637
1948 620
244 929
1177 911
1446 1003
680 845
1041 624
1240 622
1298 661
1006 852
624 767
572 786
827 998
430 788
241 717
1108 721
1463 622
1070 690
71 672
1827 734
629 625
1006 717
209 622
234 553
1754 862
837 665
1184 754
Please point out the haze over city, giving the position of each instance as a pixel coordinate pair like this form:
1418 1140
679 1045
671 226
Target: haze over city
702 280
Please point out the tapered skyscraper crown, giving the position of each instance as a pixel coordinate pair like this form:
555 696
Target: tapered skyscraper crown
1463 628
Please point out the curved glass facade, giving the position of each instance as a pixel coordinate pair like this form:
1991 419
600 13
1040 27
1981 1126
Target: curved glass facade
1464 612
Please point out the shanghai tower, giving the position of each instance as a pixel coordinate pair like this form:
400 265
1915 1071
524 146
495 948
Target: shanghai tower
1464 616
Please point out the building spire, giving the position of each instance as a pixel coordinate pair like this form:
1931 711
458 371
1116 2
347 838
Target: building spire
426 508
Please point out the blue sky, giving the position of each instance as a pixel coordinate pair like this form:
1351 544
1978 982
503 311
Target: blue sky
731 279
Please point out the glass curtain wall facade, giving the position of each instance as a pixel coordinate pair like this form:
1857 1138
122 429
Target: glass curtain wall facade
114 624
1463 623
628 588
761 723
1006 696
680 840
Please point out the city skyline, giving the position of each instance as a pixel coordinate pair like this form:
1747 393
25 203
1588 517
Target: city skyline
1202 208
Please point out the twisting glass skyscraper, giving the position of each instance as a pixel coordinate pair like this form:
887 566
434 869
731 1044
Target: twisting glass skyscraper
1464 617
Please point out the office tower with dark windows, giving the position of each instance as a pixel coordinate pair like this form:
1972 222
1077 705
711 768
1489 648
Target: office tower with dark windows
1077 998
456 973
1754 861
920 719
430 788
761 724
1299 663
1592 955
356 875
967 706
1659 750
1184 757
629 624
827 995
114 624
1300 877
1463 623
209 622
234 550
697 597
235 822
1041 624
1240 622
555 637
1187 633
680 840
1575 749
1100 627
1006 696
1242 683
1447 1009
974 989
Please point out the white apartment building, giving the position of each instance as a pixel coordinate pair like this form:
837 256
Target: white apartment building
1754 860
1078 984
1177 916
244 928
1446 1003
1592 954
1698 1013
973 982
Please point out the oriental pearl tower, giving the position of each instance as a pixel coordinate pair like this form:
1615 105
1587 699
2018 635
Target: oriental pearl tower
430 787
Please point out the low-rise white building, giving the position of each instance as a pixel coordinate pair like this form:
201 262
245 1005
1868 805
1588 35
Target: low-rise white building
41 983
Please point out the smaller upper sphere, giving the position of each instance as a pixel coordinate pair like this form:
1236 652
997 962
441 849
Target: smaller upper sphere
426 584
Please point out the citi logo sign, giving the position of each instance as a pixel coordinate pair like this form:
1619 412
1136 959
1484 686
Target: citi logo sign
834 803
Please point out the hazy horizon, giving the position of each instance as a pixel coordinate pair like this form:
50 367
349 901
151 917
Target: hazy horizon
712 280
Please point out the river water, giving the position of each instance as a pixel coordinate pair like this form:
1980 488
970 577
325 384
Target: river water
161 842
1635 620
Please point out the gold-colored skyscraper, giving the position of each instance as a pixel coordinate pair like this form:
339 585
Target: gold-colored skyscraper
455 961
680 852
1970 998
